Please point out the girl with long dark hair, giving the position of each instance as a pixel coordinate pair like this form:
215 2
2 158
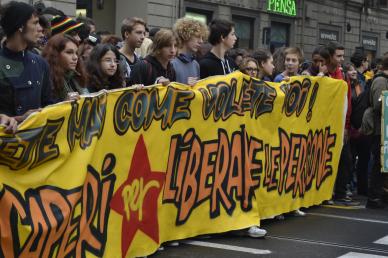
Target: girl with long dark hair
103 69
66 69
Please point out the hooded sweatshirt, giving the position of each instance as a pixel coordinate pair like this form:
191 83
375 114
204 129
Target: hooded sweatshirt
148 70
185 66
211 65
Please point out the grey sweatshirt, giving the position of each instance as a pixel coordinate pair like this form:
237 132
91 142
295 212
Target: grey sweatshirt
185 66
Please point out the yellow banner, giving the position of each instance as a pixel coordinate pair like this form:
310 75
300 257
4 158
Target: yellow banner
119 173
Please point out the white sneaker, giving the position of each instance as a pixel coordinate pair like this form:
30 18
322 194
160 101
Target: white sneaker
161 248
172 243
255 231
328 202
299 213
349 193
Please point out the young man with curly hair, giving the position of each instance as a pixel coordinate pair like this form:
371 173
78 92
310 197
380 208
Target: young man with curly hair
190 34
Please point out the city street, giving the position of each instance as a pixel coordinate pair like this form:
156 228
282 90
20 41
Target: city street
180 128
326 231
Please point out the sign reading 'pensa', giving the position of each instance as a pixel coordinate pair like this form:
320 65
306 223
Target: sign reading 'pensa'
285 7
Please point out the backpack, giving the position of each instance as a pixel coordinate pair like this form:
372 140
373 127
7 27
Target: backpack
367 123
150 72
148 67
360 105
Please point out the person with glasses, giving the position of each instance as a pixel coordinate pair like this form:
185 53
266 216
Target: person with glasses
249 66
67 71
103 69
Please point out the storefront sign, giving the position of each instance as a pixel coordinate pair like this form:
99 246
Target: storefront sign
328 35
369 43
285 7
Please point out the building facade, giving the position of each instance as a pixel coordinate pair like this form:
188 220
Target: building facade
357 24
67 6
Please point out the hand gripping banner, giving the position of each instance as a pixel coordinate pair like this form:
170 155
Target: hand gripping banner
118 173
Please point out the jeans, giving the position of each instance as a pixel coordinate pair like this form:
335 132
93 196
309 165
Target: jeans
343 175
361 148
376 178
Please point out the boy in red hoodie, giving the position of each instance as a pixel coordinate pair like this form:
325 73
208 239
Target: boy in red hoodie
332 57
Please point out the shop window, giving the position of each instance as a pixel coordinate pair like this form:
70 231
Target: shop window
200 15
280 35
244 32
84 8
383 4
376 3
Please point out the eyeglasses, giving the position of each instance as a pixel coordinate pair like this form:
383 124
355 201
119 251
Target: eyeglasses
250 69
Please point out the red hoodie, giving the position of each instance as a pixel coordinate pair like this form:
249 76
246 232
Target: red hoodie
337 74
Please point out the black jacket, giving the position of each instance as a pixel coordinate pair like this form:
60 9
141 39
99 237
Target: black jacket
126 66
148 70
24 82
211 65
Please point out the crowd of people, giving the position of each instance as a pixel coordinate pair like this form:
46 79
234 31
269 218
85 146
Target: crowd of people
47 57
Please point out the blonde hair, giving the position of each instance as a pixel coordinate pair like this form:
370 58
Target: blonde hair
294 51
186 28
163 38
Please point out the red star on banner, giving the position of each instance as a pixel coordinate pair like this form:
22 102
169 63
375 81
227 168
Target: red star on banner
137 198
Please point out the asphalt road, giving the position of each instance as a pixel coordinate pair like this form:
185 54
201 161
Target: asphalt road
326 231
